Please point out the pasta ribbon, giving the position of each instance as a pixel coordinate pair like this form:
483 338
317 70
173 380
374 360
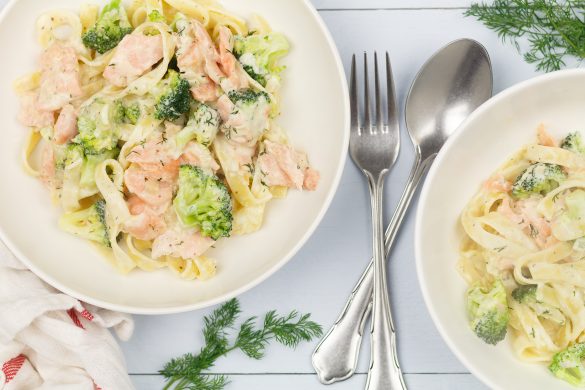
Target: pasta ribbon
136 204
63 26
511 237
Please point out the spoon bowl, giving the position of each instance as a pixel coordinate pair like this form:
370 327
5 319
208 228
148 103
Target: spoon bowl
448 88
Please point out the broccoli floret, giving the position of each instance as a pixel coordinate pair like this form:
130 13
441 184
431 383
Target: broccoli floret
74 154
124 113
111 26
96 132
156 16
524 293
539 178
202 126
90 164
488 312
71 154
248 97
574 143
254 108
89 223
259 55
203 201
174 98
566 365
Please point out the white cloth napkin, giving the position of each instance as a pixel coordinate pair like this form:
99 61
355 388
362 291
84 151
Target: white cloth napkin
49 340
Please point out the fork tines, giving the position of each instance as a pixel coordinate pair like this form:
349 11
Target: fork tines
391 116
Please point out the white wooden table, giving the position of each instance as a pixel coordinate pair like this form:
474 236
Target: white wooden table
319 279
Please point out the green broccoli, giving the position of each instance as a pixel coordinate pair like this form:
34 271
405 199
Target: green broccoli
74 154
173 97
574 143
111 26
203 201
96 132
202 126
538 178
254 109
69 155
126 113
155 12
90 164
156 16
488 312
566 365
259 55
526 295
89 223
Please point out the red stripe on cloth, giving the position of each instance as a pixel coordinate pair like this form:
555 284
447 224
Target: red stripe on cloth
73 314
87 315
11 367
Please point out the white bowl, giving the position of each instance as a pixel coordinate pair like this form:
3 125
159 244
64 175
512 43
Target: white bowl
482 143
314 112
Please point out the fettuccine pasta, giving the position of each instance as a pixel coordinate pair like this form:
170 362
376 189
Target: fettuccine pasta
155 126
524 255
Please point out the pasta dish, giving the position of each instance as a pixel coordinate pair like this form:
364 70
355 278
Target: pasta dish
155 127
524 255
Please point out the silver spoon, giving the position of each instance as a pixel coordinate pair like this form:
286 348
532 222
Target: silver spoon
451 85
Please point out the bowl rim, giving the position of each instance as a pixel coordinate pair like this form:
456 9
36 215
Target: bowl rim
341 159
426 192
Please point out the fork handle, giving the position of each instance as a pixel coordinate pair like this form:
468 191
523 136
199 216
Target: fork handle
335 358
384 372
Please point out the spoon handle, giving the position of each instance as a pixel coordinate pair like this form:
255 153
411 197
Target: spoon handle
335 358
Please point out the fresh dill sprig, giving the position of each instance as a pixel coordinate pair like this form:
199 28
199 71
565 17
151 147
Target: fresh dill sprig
553 29
186 372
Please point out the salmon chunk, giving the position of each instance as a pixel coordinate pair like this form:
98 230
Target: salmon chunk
60 82
66 126
153 173
235 76
283 166
186 244
31 115
151 182
198 155
197 58
147 223
135 55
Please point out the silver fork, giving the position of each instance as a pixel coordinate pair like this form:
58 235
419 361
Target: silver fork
374 148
